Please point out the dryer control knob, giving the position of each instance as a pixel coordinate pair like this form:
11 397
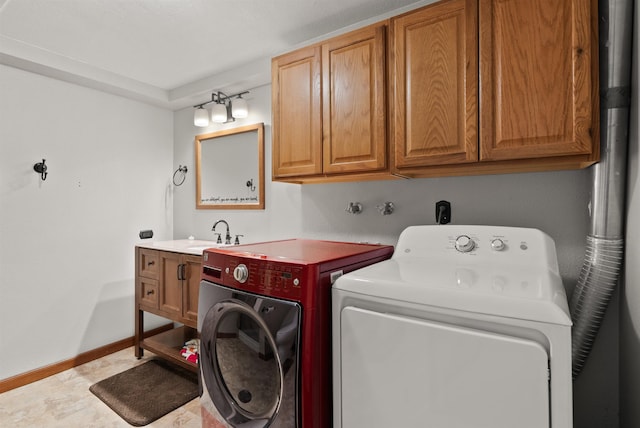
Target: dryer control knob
241 273
464 244
497 244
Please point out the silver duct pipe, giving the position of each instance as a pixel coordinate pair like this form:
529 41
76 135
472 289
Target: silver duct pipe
605 243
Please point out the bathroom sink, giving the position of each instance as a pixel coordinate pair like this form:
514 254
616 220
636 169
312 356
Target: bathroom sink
201 248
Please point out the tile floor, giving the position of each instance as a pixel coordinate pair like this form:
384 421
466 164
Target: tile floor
64 400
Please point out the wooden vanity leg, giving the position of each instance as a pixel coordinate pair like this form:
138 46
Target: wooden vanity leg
139 333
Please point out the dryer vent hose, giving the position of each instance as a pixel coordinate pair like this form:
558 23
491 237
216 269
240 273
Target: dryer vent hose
589 301
605 241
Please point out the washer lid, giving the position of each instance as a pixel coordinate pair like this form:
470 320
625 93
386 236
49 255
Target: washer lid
493 289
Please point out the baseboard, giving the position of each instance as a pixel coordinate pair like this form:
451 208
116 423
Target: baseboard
43 372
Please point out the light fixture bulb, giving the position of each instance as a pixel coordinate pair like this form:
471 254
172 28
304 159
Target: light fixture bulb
239 108
219 113
201 117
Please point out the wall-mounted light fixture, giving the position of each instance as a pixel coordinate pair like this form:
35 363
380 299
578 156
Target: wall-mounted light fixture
226 108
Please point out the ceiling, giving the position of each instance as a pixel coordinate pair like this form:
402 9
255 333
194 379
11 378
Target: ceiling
171 53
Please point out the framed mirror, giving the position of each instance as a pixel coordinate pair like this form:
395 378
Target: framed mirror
230 169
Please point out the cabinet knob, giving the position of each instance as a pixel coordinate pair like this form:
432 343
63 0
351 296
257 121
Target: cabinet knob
151 263
149 292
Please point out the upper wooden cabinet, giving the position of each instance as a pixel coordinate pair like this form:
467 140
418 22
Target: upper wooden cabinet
472 87
434 77
329 107
353 101
493 86
297 114
537 80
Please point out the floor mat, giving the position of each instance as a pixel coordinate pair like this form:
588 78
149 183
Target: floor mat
147 392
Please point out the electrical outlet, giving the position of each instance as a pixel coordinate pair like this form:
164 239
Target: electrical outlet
146 234
443 212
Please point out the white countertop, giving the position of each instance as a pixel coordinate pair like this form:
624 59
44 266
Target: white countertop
185 246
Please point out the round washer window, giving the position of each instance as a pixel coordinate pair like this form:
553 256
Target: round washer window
241 365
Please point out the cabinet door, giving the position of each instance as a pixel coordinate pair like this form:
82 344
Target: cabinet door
170 295
354 112
435 78
190 287
297 128
536 78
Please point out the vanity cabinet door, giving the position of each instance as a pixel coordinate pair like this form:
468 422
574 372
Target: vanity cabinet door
297 122
170 284
353 101
538 89
191 287
434 75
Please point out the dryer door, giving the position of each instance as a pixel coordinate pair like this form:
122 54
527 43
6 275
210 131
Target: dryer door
398 371
248 359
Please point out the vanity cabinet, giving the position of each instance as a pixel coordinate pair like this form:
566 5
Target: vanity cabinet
491 86
167 285
329 108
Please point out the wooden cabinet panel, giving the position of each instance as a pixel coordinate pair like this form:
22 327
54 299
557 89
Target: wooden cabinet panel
170 284
536 78
191 286
435 82
354 113
297 127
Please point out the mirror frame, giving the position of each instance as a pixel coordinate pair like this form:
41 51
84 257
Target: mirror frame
259 127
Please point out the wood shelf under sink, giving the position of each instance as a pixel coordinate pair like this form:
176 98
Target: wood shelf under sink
169 343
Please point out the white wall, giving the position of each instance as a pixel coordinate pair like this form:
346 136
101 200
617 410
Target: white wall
630 308
555 202
66 244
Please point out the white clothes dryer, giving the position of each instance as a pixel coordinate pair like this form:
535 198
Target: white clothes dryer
464 327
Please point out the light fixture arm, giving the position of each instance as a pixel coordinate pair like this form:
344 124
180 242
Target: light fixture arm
220 97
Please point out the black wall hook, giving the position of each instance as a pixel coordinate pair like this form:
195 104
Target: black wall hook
41 168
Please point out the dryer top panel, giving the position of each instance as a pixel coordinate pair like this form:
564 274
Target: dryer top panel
502 271
308 252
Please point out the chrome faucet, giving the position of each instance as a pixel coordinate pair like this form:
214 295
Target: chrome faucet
227 238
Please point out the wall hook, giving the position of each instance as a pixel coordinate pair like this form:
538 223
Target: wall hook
41 169
250 185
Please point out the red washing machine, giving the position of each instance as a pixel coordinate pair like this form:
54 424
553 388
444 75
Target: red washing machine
264 318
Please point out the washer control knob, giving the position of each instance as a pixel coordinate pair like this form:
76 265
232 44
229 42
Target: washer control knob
497 244
241 273
464 244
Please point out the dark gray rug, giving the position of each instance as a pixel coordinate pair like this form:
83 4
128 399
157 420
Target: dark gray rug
147 392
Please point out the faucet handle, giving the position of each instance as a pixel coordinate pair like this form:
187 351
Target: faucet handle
219 240
237 241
